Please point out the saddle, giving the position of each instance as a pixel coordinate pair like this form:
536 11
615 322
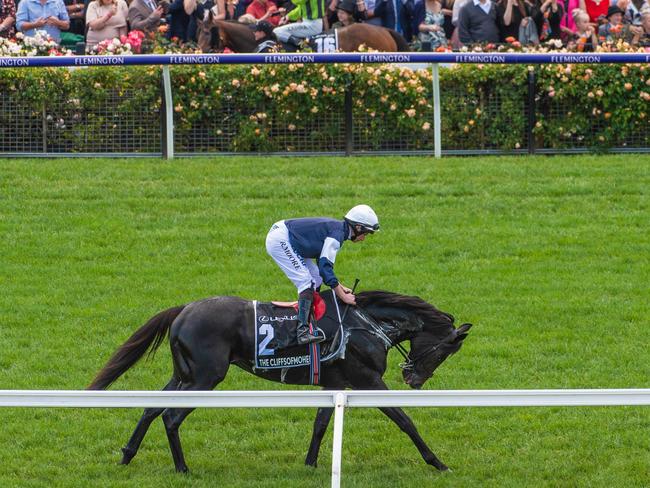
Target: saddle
276 345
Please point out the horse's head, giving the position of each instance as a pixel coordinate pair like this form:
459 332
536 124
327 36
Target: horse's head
235 36
207 33
431 332
429 349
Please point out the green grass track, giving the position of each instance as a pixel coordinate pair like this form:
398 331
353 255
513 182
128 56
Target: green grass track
549 257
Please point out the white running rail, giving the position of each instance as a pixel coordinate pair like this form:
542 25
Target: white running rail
336 399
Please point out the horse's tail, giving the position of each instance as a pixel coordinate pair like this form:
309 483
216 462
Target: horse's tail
402 45
149 336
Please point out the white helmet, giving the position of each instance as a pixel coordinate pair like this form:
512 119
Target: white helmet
364 216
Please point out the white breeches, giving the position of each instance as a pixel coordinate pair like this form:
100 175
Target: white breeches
302 272
302 29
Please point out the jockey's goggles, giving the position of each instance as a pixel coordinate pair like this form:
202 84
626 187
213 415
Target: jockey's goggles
367 229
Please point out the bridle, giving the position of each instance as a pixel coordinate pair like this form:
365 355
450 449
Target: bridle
409 363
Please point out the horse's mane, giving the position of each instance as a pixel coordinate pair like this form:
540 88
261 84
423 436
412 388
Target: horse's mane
425 310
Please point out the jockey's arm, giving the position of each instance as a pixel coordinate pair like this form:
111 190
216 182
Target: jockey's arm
326 268
296 13
345 294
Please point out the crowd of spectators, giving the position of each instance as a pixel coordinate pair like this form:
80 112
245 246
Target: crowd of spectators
429 24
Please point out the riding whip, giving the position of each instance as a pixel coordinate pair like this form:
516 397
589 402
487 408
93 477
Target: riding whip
345 312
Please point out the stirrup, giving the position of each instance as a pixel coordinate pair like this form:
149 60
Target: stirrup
305 337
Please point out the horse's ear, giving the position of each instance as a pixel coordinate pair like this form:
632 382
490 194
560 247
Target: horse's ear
463 328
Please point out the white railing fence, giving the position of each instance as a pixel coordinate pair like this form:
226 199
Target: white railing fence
336 399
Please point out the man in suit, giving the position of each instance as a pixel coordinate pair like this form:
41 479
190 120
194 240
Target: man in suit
145 15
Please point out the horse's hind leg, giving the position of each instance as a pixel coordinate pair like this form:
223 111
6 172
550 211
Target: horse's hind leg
210 373
149 415
320 427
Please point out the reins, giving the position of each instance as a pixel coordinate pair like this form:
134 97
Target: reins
409 363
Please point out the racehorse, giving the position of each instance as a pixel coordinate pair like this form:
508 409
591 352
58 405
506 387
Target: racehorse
209 335
239 37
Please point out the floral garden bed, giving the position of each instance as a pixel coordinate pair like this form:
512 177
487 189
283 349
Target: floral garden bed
483 106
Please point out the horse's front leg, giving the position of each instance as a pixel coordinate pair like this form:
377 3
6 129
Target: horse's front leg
320 427
405 423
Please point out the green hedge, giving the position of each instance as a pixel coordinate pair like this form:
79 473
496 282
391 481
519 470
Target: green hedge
484 106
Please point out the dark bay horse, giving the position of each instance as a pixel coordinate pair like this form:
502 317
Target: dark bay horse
209 335
240 39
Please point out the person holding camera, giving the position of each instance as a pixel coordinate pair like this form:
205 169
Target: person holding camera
105 19
42 15
641 33
147 15
76 12
263 10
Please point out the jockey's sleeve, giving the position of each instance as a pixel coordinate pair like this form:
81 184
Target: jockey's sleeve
296 13
326 261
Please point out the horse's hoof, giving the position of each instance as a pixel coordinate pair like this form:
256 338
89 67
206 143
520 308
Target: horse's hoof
128 454
443 468
311 465
182 469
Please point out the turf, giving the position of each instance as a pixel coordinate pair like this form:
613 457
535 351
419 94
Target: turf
547 256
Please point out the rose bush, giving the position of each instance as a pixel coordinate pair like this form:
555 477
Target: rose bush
301 107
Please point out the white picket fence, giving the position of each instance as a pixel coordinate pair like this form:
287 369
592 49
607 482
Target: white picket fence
337 399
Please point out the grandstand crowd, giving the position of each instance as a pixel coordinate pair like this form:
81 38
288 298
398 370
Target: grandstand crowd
427 24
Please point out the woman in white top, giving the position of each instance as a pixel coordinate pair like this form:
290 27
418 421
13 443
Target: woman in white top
106 19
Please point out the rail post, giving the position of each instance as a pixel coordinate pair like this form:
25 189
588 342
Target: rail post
349 122
337 443
532 119
167 116
437 129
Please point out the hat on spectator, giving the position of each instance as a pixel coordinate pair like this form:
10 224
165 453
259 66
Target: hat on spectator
346 6
263 26
613 10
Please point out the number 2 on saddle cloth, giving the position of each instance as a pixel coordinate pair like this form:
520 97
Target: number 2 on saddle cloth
276 337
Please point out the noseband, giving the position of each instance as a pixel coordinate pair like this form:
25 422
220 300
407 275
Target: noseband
409 363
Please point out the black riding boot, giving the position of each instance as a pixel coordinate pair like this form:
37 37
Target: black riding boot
295 41
305 300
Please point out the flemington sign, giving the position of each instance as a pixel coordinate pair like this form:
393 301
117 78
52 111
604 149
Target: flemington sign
324 58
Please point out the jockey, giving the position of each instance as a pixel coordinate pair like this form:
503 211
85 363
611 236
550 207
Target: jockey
294 244
308 21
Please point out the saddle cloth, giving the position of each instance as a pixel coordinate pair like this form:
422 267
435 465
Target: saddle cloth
276 345
325 43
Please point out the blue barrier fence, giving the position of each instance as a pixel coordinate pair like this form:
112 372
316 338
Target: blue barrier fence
279 58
